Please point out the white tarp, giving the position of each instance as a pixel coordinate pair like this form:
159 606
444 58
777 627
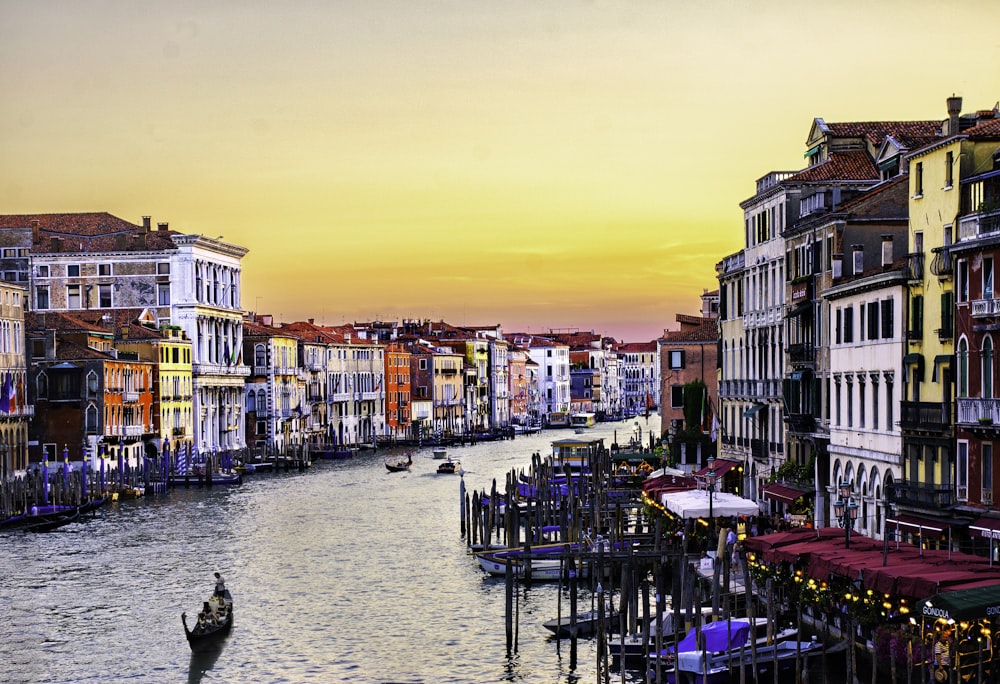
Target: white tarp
667 471
695 504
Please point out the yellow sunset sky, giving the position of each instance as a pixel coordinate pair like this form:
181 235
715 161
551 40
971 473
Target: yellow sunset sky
536 164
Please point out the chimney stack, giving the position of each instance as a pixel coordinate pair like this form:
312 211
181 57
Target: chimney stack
954 112
886 251
34 231
147 221
163 227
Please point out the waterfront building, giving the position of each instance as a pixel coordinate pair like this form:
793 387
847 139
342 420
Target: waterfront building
552 359
273 389
823 248
80 262
868 312
436 376
358 410
397 391
688 354
520 386
169 350
15 411
86 393
639 370
204 296
735 429
590 356
313 348
955 203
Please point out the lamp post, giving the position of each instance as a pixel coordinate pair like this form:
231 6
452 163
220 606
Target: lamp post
845 509
711 491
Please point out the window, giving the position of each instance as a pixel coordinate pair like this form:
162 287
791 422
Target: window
92 385
677 396
861 401
988 277
42 297
873 320
917 316
104 296
988 467
887 322
859 262
889 403
676 359
848 325
949 174
422 364
163 294
962 470
962 281
962 356
73 271
42 271
839 325
918 180
91 420
73 300
987 357
103 269
163 268
947 314
259 356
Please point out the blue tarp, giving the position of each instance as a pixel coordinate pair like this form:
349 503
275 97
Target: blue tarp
716 637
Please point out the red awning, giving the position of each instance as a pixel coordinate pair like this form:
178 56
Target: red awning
986 527
913 523
783 493
721 465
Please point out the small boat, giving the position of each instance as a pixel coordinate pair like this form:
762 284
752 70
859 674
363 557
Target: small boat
440 453
586 624
727 651
449 467
53 523
399 465
198 479
214 623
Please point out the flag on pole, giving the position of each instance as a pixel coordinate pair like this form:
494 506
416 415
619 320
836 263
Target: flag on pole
715 428
705 411
5 394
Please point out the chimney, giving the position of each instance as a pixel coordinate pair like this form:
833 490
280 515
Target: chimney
163 227
147 222
838 265
311 320
886 251
34 231
858 258
57 243
954 112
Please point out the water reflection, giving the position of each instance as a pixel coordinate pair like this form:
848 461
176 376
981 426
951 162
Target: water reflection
202 662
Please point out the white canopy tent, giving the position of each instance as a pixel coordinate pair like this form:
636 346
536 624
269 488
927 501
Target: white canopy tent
695 504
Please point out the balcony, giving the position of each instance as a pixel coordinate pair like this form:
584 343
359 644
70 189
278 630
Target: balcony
758 449
985 308
925 416
130 397
941 263
974 411
979 224
801 422
178 432
916 265
802 354
918 495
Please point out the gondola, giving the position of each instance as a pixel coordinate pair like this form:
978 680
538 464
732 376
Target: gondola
54 523
208 633
399 466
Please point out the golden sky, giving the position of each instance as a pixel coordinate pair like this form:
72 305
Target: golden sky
537 164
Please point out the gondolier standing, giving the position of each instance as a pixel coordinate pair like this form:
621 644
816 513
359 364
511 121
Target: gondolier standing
220 586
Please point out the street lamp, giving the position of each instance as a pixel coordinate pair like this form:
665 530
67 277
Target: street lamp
845 509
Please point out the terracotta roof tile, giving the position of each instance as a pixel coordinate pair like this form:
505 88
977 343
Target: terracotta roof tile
875 131
844 166
985 131
93 232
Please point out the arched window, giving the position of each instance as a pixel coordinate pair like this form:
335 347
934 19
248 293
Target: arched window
261 402
259 357
987 367
962 355
92 384
251 401
42 386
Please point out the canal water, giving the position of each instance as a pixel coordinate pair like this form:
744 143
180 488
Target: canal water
343 573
